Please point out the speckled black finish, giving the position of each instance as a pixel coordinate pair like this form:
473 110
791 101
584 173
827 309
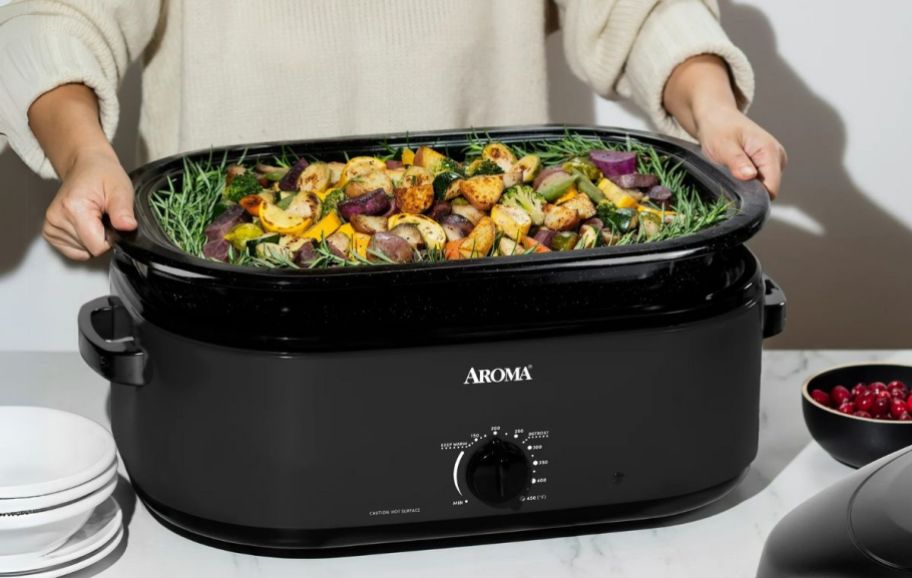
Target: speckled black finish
851 440
641 285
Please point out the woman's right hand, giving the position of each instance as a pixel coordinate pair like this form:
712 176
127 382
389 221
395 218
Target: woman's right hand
65 122
94 185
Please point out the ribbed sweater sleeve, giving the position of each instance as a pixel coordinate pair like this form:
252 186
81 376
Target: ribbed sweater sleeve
631 47
48 43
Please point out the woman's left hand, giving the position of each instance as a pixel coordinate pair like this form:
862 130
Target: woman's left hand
730 138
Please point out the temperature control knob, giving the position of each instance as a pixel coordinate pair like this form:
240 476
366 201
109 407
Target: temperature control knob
498 472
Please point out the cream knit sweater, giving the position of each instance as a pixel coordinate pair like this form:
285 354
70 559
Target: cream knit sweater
220 72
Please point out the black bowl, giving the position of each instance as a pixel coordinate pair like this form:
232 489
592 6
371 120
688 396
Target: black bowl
855 441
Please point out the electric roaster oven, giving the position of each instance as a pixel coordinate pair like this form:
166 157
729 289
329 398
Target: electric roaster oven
282 411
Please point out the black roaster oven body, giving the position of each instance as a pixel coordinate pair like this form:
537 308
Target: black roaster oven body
297 411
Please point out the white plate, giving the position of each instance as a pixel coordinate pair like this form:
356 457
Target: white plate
45 450
103 524
57 499
79 564
40 532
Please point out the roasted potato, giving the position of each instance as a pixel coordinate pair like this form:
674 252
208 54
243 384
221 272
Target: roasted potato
306 205
514 222
462 208
415 198
410 233
560 217
335 172
368 224
372 181
582 204
431 231
482 192
391 247
428 158
500 155
315 178
358 167
480 241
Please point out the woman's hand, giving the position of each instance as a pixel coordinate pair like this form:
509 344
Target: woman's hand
96 184
65 122
699 95
730 138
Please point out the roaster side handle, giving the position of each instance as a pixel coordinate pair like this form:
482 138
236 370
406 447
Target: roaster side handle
107 344
773 308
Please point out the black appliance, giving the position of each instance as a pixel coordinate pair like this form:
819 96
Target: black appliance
300 410
858 527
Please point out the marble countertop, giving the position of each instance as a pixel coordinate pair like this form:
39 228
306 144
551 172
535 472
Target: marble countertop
722 540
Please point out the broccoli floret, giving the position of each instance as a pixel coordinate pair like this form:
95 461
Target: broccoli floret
332 199
448 165
605 211
524 197
485 167
242 185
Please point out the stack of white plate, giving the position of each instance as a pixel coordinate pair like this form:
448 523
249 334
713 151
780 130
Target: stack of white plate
57 473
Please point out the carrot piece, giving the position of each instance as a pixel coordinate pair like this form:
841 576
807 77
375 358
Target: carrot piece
451 250
251 204
530 243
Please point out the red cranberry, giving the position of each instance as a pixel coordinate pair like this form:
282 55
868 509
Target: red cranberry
883 393
863 414
881 407
865 402
897 383
897 408
897 393
859 389
847 407
905 417
909 403
878 386
840 394
821 397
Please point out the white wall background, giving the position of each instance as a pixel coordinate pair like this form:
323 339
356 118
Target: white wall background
832 85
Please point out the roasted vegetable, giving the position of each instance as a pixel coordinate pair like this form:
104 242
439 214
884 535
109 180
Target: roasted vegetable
305 205
331 201
582 205
390 247
588 237
530 166
410 233
635 181
507 246
660 196
564 241
429 159
315 178
555 185
358 167
251 204
324 227
614 163
439 210
335 172
482 192
461 207
583 166
524 197
480 167
560 218
621 198
275 220
619 220
431 232
531 244
360 243
443 182
414 198
361 185
241 185
586 186
373 203
480 241
512 177
513 221
290 181
500 155
456 227
339 243
240 234
544 235
368 224
650 223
